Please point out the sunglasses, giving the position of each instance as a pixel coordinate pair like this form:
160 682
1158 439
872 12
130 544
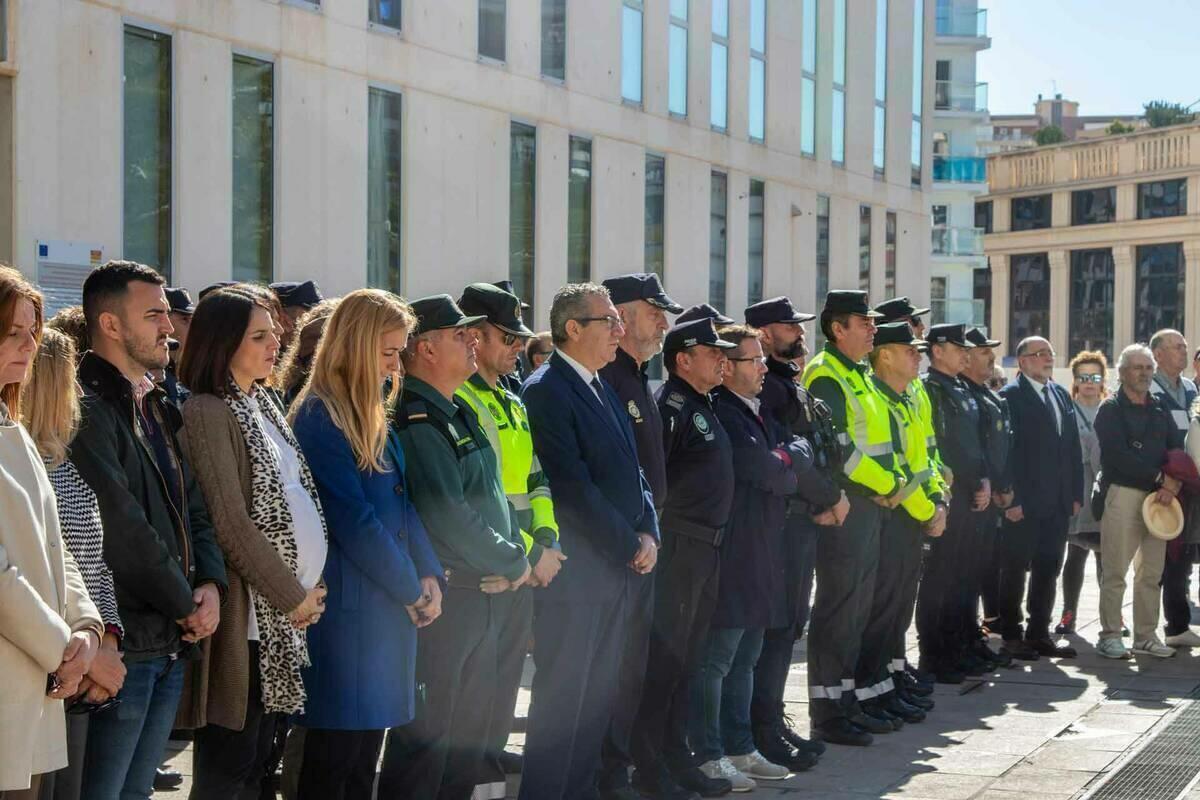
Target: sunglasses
1089 378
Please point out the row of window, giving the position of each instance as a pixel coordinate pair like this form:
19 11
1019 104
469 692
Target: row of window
1155 199
1158 295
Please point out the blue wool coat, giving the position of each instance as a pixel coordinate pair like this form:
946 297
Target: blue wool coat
364 648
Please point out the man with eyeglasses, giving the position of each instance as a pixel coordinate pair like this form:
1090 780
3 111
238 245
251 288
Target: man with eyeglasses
1046 464
1176 394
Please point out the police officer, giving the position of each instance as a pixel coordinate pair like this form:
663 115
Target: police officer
295 297
512 379
922 512
643 307
847 557
795 412
699 494
945 598
703 311
454 481
503 417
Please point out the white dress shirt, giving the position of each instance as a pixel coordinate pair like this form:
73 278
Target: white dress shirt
587 375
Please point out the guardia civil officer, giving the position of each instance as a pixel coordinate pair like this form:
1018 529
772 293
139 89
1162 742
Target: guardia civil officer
945 599
700 485
454 482
921 513
847 557
796 413
642 306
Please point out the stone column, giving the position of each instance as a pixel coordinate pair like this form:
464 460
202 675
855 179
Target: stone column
1124 302
1060 305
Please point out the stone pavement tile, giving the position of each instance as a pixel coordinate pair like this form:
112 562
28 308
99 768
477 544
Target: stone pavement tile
1075 757
1125 723
1040 782
865 779
1002 741
939 786
1001 794
958 760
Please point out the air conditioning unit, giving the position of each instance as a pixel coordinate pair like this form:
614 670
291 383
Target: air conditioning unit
62 267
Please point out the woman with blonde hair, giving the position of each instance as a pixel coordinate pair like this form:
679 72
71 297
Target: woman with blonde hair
49 628
1089 369
381 571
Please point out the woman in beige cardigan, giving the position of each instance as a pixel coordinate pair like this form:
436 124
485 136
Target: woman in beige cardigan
49 628
267 519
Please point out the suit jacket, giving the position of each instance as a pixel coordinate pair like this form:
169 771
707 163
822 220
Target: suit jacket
601 498
1046 466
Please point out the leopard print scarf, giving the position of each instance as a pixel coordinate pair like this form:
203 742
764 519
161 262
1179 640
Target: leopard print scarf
283 650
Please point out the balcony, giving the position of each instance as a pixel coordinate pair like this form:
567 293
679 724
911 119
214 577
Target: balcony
964 22
957 241
955 96
959 169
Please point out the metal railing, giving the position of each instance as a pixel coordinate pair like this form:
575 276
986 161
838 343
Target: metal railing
949 241
955 96
960 169
961 22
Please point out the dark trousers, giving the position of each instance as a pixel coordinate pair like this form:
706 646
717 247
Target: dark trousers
775 660
229 764
941 598
685 596
440 753
512 645
1072 575
67 783
847 558
977 558
1176 580
1035 546
339 765
989 580
892 603
577 649
616 757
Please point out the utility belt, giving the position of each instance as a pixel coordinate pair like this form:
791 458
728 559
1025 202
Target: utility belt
694 530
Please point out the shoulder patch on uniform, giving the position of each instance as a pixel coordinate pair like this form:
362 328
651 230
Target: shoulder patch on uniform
675 401
415 415
700 422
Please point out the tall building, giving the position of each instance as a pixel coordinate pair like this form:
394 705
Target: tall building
742 148
1015 131
960 119
1095 244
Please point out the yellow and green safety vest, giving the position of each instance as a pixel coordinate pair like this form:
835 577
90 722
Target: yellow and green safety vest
916 497
923 406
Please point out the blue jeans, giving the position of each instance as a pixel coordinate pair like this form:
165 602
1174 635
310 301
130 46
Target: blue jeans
126 743
720 694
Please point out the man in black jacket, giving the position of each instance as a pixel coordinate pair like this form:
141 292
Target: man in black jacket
167 567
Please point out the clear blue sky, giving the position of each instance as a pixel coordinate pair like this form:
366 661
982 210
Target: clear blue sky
1110 55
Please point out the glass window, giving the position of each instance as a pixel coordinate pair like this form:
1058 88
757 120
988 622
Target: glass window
837 101
1162 199
889 256
253 169
758 26
1031 213
1159 294
1029 300
918 86
758 69
491 29
937 300
1092 206
720 18
983 215
808 115
385 12
383 190
1091 318
940 214
822 257
554 39
879 148
3 31
656 189
808 37
579 211
754 281
864 248
716 240
879 152
982 293
521 204
718 111
147 149
677 60
839 126
631 51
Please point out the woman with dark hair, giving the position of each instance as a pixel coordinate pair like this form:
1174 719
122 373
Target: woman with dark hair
267 518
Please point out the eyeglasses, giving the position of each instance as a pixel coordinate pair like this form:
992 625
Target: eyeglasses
613 322
1043 353
509 339
760 360
1096 378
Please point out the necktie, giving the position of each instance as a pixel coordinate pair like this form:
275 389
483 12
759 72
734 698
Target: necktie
600 396
1050 406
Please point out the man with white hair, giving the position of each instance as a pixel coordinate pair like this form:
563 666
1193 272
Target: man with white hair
1135 430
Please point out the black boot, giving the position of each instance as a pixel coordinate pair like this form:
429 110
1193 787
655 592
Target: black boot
661 785
843 731
895 706
797 741
774 748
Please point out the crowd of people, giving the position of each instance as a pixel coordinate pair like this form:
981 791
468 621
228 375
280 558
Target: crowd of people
329 532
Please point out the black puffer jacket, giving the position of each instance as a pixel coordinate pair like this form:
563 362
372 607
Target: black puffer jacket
158 548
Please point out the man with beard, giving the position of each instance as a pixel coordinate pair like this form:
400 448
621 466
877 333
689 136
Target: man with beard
794 413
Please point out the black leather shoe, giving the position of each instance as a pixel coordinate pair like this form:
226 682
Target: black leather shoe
970 665
1021 650
998 660
799 742
923 703
950 675
1051 649
695 780
898 708
793 759
916 687
660 785
166 779
774 748
871 724
843 731
877 711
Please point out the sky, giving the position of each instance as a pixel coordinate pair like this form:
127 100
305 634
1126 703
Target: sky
1112 56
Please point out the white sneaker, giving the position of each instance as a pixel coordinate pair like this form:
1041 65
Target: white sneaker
1153 647
754 765
722 768
1112 648
1188 638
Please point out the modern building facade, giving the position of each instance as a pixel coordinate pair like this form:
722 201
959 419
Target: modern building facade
1095 244
960 118
742 148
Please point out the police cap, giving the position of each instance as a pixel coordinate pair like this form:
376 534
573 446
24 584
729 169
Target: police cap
693 334
439 311
849 301
501 308
179 300
703 311
640 286
899 308
304 294
896 333
777 309
949 333
978 338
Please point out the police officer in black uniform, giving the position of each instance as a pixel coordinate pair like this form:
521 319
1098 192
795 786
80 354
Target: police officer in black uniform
945 597
794 412
704 311
700 484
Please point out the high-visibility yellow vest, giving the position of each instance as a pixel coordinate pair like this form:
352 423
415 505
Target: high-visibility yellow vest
923 406
918 469
867 440
505 420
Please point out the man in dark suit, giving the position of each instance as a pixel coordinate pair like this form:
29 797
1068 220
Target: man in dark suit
607 523
1047 469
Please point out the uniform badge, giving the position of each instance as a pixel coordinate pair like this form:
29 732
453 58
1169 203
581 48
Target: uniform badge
634 411
495 412
700 422
1000 425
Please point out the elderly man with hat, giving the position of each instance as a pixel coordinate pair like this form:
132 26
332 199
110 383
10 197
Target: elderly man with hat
948 597
642 305
699 463
848 557
896 360
295 297
795 413
453 478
